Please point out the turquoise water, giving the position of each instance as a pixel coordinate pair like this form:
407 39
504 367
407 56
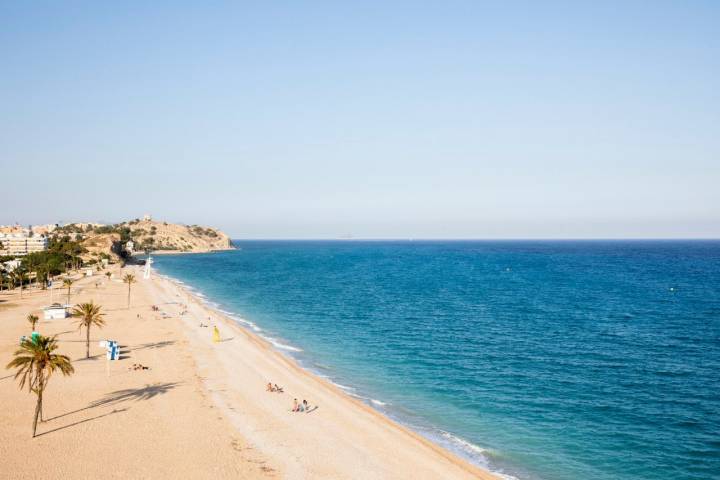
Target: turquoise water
542 360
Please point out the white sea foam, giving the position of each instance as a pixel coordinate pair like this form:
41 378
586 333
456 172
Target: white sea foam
344 387
281 345
246 323
378 402
467 446
475 452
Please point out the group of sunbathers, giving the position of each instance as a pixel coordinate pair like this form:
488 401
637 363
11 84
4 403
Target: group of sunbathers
300 407
138 366
297 406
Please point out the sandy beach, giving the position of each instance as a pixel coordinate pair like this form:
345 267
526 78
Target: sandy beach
201 409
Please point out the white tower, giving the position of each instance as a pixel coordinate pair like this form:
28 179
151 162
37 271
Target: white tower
148 262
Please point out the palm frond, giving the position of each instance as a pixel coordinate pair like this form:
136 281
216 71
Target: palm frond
88 314
35 359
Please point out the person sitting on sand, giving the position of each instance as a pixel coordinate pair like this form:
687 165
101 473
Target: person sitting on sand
306 407
269 387
278 389
295 405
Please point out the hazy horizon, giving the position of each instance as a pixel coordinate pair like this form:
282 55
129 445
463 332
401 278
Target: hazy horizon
462 120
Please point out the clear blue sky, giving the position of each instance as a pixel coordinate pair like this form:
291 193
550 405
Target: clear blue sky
388 119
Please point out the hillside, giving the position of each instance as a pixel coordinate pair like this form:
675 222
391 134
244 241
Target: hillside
100 246
137 236
164 237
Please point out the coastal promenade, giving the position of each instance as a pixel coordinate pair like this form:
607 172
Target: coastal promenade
200 410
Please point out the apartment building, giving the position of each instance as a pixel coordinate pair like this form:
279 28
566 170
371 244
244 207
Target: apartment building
21 243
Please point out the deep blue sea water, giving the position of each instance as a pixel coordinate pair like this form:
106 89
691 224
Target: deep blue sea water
544 360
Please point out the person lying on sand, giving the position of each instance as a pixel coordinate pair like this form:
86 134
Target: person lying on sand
278 389
138 366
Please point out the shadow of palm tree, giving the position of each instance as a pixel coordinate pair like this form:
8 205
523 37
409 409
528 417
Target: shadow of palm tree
63 333
91 357
134 394
92 340
82 421
153 345
129 394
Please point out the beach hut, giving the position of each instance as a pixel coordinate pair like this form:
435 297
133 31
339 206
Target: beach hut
54 311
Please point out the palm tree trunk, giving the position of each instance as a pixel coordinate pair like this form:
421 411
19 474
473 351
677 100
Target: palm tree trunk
38 406
37 414
87 341
68 296
128 296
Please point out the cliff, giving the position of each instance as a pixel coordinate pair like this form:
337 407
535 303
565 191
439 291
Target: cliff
137 236
164 237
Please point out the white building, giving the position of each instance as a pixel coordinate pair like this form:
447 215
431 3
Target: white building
54 311
22 243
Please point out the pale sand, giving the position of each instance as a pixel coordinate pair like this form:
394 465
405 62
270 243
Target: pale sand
201 411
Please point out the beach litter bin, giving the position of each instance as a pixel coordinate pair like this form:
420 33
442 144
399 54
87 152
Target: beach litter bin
34 337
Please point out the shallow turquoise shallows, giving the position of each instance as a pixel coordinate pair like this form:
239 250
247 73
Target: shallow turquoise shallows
541 360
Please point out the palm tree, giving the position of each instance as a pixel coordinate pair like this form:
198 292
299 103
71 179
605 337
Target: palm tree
42 273
33 319
35 363
89 315
129 279
19 276
68 283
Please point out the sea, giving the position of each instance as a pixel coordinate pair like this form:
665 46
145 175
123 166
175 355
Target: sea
538 360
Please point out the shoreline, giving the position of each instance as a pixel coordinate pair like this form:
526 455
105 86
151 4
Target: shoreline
181 252
201 409
456 446
276 352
